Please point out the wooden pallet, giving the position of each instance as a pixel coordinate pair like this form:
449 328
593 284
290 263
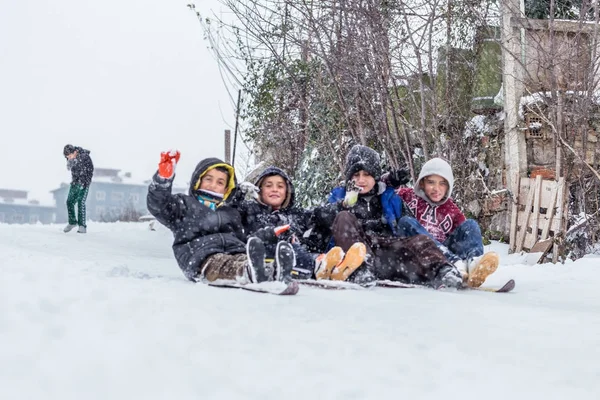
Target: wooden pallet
538 215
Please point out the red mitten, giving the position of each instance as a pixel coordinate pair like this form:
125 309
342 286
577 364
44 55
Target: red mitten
280 229
168 162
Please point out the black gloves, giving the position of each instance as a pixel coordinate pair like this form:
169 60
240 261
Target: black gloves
267 235
398 177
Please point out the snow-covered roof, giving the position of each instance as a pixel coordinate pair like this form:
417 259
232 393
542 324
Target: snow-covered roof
540 97
115 176
121 180
24 202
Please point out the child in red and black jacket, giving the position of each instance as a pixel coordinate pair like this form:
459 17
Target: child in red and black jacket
436 215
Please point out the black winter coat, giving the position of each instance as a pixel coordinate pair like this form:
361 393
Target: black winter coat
198 231
256 215
378 214
82 168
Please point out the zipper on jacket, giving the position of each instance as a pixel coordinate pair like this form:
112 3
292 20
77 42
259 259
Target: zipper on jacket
219 229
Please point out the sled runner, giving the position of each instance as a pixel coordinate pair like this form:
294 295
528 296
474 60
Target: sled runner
275 287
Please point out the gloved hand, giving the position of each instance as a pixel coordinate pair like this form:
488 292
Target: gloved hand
249 190
280 229
352 191
168 162
267 235
398 177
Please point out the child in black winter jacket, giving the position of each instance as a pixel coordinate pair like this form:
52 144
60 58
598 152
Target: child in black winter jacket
275 206
209 240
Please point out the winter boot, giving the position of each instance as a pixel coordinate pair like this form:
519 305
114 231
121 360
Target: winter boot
69 228
355 257
448 277
285 261
82 229
255 271
481 267
363 276
463 268
325 263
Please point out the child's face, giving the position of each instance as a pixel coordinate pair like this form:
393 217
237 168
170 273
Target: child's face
364 180
214 181
72 155
435 187
273 191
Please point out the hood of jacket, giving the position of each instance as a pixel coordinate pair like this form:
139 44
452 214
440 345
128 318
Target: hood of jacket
290 192
203 167
435 166
69 149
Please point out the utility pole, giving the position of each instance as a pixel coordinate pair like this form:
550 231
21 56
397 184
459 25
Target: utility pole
227 146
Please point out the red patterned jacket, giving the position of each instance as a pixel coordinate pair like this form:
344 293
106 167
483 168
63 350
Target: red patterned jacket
440 220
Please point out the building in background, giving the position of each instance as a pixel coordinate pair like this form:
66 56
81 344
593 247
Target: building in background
113 196
16 208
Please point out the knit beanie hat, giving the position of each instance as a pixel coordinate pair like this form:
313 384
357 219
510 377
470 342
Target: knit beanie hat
362 158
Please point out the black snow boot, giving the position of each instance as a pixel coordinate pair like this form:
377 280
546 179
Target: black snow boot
255 266
363 275
285 261
448 277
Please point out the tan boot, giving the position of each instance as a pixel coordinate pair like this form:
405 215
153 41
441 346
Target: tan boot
327 262
482 267
354 258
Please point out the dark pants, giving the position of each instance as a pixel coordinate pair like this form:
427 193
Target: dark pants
415 259
77 195
305 261
465 242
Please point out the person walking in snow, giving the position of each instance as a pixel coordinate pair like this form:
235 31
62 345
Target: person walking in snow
209 240
361 221
82 169
274 205
436 215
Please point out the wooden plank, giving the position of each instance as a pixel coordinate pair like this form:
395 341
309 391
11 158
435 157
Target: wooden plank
536 212
525 222
538 252
524 189
548 193
550 213
514 213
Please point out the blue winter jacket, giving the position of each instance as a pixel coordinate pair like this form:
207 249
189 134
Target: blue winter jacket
391 205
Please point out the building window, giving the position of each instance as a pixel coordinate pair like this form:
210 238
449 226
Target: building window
117 196
18 218
100 210
2 217
100 195
33 218
134 197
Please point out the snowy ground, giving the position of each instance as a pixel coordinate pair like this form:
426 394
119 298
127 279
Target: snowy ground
108 315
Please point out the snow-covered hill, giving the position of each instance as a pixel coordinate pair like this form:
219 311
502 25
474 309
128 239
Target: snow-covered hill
108 315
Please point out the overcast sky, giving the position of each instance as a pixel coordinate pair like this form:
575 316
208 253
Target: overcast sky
122 78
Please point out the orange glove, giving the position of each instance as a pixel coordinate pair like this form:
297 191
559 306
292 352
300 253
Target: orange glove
168 162
280 229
